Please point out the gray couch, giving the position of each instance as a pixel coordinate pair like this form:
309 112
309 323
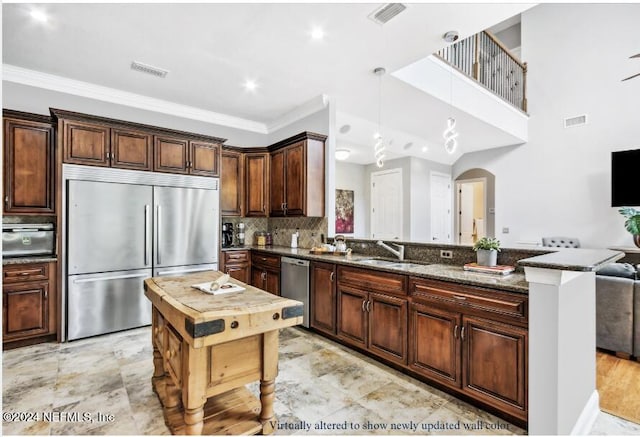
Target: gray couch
618 309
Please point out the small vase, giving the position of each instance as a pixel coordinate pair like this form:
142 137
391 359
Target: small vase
636 240
487 258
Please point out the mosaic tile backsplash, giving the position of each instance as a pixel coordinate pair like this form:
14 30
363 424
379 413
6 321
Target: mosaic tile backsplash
281 228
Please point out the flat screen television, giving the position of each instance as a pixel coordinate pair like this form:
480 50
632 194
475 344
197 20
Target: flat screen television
625 178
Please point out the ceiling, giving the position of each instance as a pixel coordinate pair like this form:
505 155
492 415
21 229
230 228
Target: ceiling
210 50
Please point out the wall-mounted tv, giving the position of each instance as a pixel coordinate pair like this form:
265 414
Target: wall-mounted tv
625 178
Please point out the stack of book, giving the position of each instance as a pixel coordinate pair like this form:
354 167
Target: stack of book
496 270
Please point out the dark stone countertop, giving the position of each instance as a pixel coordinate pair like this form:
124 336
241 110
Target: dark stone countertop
229 249
514 282
581 260
28 260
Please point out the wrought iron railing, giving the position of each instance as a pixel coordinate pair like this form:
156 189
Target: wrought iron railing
485 59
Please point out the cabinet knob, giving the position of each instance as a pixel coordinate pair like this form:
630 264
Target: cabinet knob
6 200
169 353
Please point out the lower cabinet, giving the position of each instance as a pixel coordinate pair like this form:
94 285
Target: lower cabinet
29 302
265 272
372 320
237 265
323 297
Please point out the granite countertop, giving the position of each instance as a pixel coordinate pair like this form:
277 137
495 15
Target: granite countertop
513 282
29 260
228 249
581 260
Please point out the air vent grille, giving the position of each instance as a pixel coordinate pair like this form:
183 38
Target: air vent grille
149 69
576 121
385 13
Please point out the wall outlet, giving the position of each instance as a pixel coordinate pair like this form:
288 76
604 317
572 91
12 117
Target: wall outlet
505 230
446 254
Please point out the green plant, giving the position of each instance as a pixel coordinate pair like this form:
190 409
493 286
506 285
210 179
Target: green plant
487 243
632 224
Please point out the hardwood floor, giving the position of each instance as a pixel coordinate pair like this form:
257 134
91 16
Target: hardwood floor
618 382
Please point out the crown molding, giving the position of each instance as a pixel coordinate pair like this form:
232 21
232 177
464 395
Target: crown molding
24 76
311 107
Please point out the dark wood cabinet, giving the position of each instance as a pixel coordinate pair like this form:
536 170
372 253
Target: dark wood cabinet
204 158
265 272
231 183
371 317
237 264
29 170
131 149
297 176
256 184
29 302
171 155
323 297
86 143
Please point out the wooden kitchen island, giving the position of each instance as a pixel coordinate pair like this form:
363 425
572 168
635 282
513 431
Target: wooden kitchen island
207 347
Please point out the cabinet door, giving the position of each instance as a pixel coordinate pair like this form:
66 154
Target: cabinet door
131 149
323 297
277 184
273 282
239 272
26 311
388 327
434 346
495 364
352 316
86 143
295 185
171 155
258 277
204 158
256 184
29 177
231 183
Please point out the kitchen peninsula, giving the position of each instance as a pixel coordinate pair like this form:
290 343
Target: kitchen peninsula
207 347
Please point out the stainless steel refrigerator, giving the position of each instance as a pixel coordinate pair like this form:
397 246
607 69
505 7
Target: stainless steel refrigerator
123 227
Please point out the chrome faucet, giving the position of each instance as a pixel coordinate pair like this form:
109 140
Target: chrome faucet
399 253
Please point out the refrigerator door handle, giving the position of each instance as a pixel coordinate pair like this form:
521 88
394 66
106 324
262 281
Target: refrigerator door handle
109 278
158 226
146 235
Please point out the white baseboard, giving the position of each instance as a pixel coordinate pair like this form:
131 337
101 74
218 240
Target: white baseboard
588 416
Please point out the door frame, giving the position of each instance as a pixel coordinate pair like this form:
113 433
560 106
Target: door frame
449 204
459 182
397 170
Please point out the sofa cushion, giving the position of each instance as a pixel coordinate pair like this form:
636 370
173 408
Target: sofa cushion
619 270
614 313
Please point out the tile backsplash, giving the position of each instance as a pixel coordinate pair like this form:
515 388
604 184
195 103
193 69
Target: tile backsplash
282 228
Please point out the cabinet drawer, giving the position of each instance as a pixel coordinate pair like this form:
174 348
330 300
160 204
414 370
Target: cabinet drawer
369 280
236 256
265 260
511 305
173 355
25 272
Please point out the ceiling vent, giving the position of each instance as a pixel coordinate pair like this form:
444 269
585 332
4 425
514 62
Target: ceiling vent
149 69
576 121
385 13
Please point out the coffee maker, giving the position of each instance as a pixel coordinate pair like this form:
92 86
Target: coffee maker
227 234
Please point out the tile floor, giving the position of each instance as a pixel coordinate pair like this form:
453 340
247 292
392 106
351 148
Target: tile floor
320 385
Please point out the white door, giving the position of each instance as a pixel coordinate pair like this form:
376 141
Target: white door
386 204
440 207
465 191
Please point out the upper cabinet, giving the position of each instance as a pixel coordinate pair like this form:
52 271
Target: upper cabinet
256 184
297 176
29 170
90 140
231 183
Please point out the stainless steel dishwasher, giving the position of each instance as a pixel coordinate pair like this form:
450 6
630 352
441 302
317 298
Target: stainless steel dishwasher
294 283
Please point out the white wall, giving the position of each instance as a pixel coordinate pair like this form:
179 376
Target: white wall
420 197
558 183
352 177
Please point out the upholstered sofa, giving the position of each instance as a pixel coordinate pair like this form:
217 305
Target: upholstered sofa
618 309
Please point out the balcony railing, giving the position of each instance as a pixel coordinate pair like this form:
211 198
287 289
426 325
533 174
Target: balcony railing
485 59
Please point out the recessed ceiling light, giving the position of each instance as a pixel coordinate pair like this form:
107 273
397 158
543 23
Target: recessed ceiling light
342 154
39 15
250 85
317 33
345 128
425 149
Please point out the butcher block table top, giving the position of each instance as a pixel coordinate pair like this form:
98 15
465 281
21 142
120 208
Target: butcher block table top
207 347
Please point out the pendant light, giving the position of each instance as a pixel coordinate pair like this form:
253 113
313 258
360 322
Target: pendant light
450 134
379 147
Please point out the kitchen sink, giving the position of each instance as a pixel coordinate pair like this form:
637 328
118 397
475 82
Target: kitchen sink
404 265
376 262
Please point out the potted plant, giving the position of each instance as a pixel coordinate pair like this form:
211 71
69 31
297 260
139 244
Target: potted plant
487 249
632 224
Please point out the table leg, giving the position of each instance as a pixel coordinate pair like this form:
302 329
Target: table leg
194 420
194 389
268 381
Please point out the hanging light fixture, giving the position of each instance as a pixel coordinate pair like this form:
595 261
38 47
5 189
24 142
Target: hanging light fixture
450 134
379 147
